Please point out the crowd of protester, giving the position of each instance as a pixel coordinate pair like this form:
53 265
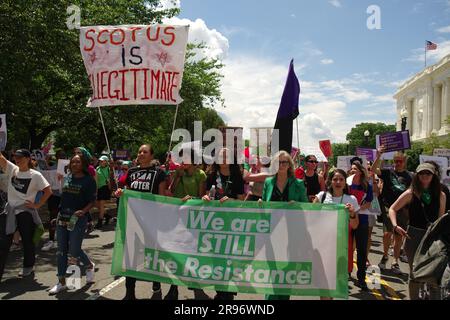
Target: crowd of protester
407 202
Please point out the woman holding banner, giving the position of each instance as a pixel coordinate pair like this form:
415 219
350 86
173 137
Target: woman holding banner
224 182
283 187
338 193
146 177
188 183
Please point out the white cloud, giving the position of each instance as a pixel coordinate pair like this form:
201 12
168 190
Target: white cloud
444 30
293 16
327 61
217 44
252 89
169 4
335 3
418 55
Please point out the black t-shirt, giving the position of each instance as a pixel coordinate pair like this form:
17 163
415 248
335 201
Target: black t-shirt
230 186
76 194
312 184
145 179
394 184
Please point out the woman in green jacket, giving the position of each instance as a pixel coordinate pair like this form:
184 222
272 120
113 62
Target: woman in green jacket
283 187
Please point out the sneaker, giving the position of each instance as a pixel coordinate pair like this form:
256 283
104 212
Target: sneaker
395 268
383 262
25 272
90 274
50 245
172 294
57 289
156 287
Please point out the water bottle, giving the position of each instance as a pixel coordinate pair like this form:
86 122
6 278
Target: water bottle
212 193
72 222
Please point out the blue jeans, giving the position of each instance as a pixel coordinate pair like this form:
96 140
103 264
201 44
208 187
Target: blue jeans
69 242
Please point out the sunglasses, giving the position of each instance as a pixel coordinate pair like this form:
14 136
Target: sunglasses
284 162
425 173
312 161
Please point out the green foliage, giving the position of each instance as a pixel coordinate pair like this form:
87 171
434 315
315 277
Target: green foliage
44 86
356 136
339 149
417 148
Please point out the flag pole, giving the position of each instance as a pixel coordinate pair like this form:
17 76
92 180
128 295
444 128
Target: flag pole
107 142
298 140
425 54
173 126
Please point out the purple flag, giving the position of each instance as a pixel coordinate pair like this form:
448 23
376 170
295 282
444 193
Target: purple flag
288 110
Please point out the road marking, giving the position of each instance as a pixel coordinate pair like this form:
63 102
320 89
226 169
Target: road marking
392 294
109 287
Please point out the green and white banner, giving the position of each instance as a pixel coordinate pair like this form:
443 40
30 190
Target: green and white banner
277 248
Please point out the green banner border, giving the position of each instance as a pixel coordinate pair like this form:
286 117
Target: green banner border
341 245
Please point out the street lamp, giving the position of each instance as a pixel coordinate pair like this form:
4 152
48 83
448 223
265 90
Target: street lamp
366 137
404 117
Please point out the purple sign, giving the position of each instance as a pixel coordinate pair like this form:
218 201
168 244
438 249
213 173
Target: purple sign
395 141
369 153
121 154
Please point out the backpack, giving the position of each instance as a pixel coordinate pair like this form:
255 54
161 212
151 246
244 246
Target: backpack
432 255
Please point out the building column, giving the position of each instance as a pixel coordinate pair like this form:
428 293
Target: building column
411 117
429 118
437 109
445 128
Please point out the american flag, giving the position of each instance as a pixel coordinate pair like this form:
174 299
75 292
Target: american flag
431 45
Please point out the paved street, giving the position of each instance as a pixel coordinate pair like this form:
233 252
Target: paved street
99 246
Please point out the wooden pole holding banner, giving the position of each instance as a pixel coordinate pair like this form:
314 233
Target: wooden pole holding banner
426 43
107 142
298 141
173 127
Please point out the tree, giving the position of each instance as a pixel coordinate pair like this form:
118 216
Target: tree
356 136
417 148
44 86
339 149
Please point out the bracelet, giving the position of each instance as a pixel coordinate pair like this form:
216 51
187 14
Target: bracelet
395 228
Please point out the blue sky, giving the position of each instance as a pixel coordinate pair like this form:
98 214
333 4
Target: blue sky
348 73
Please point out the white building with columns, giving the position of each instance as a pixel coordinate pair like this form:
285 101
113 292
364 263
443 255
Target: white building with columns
425 101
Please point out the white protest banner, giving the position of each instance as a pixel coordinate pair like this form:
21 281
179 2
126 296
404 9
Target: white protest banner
443 164
52 178
343 162
134 64
442 153
3 132
63 167
275 248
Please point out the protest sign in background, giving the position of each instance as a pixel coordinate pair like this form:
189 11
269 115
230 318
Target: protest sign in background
325 147
370 154
134 64
394 141
278 248
343 162
310 150
63 167
443 164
